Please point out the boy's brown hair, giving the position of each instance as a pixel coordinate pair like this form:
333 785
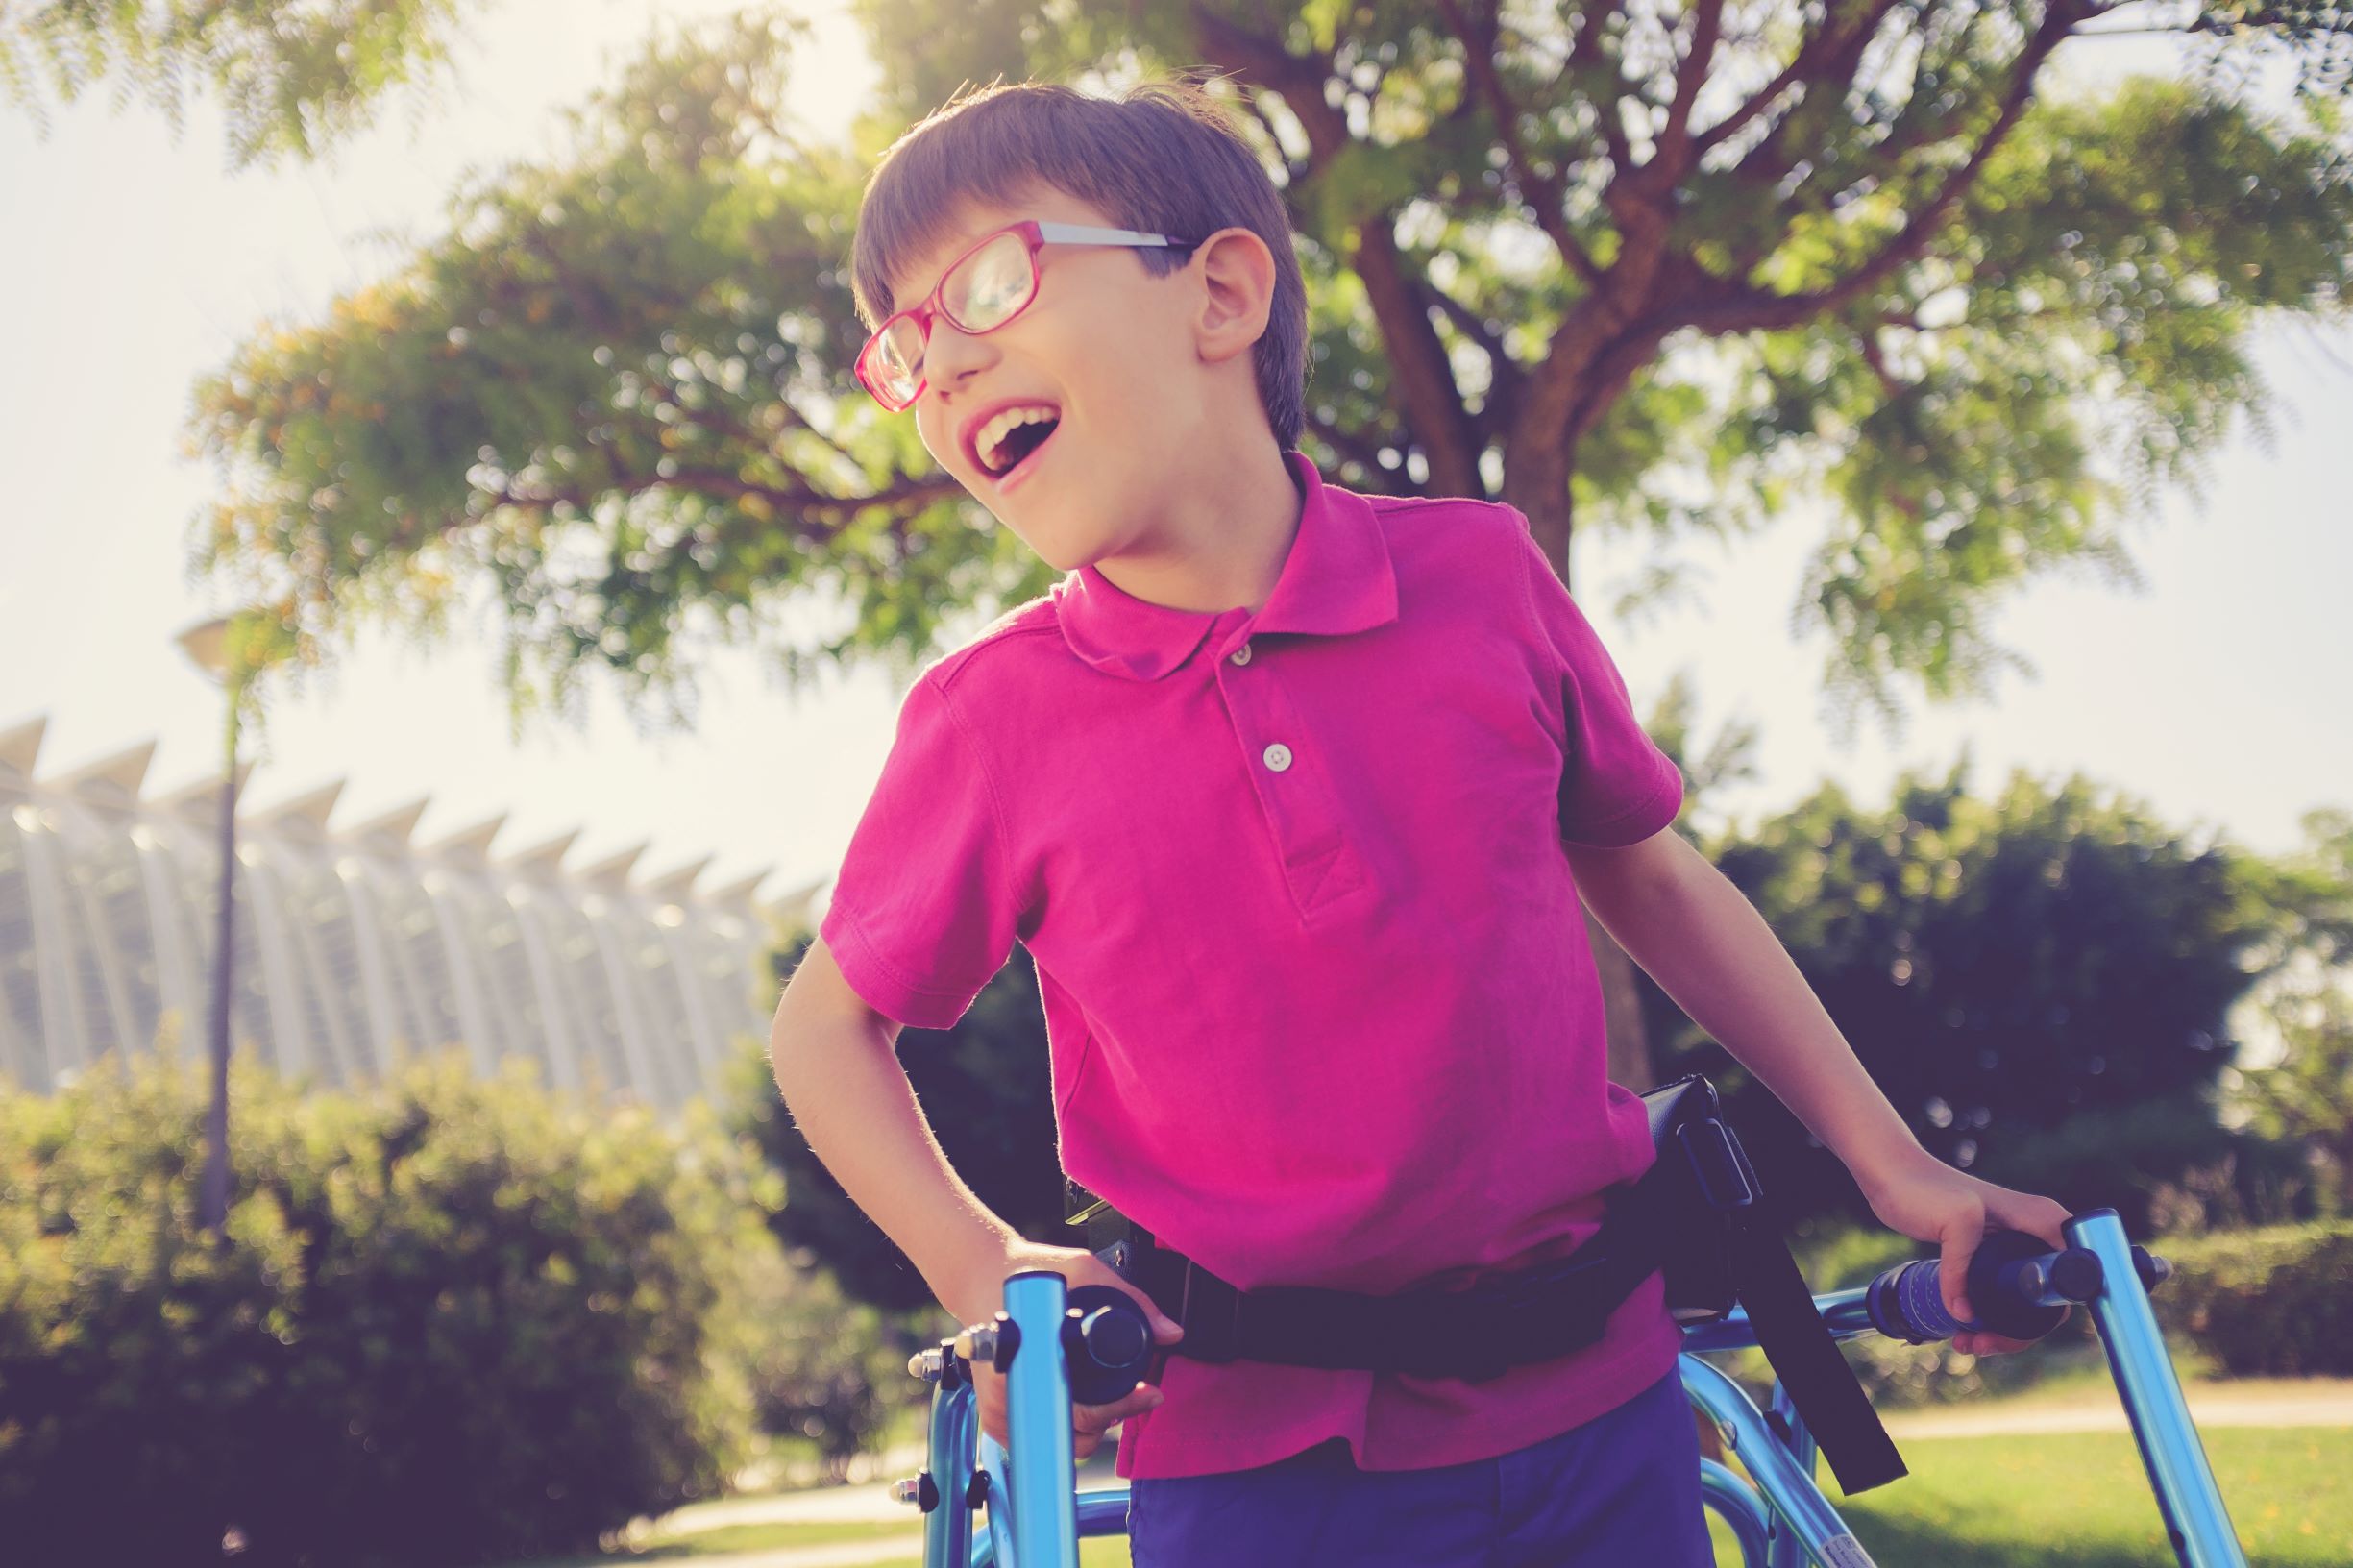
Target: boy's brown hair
1162 159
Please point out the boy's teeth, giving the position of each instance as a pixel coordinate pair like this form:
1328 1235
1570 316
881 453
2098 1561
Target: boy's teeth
1003 423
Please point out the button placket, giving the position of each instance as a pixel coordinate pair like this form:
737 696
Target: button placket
1302 808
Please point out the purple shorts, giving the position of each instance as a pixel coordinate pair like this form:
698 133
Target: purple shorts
1621 1488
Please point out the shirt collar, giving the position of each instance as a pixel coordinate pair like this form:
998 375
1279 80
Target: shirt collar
1337 578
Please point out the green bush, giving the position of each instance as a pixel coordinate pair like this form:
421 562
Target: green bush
453 1320
2164 1167
828 1370
2276 1302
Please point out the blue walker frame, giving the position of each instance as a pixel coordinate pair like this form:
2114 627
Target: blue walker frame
1780 1516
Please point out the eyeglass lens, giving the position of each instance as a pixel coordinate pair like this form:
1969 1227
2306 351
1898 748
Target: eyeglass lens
981 291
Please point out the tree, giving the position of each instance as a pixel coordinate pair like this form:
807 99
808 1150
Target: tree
618 391
2306 1095
292 79
2038 980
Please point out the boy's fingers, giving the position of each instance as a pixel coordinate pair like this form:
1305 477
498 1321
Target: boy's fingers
1165 1330
1088 1422
1143 1397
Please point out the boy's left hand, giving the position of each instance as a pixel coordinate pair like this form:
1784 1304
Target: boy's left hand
1929 1201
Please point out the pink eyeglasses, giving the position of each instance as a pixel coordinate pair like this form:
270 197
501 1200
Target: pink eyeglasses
982 289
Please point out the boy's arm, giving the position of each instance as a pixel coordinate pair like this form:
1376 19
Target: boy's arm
1706 944
835 1064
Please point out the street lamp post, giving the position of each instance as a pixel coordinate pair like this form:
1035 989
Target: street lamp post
206 644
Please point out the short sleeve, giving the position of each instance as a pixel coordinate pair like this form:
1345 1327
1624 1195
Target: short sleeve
1617 787
922 914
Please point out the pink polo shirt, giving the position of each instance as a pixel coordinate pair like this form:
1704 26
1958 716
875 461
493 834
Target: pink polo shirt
1318 997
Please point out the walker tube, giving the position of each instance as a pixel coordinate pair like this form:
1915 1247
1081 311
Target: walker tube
995 1544
1100 1512
947 1528
1846 1314
1103 1511
1785 1551
1037 1415
1787 1486
2178 1474
1738 1504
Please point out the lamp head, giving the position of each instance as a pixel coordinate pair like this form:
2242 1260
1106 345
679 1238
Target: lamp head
206 646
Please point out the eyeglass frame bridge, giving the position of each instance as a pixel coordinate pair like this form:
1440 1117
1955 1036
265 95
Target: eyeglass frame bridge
1037 233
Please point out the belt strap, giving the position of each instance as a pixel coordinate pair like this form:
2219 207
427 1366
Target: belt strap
1806 1361
1538 1314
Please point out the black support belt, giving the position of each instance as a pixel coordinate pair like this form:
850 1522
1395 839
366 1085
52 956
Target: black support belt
1538 1314
1479 1334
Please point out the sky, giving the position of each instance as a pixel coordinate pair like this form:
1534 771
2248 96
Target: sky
137 263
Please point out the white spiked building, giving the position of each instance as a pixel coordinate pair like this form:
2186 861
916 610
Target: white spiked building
354 944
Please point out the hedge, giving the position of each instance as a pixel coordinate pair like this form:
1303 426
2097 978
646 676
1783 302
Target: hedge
2276 1302
453 1320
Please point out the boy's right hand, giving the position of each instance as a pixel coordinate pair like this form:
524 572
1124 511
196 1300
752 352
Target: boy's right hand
1078 1266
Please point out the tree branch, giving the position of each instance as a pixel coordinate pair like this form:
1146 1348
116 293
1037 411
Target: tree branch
1609 371
801 420
1585 52
1425 390
1706 27
1821 54
1505 377
1355 447
1877 359
1291 172
1748 308
1424 384
1296 78
1544 194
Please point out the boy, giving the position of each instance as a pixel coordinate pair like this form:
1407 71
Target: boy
1291 793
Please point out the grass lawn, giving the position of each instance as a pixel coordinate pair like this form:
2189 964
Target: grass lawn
2075 1500
726 1540
2081 1500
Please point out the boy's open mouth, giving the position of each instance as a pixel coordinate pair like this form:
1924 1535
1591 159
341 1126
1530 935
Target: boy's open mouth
1003 452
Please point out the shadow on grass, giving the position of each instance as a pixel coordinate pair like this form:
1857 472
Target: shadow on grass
1916 1543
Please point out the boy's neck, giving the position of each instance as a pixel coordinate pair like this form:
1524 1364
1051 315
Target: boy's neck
1223 539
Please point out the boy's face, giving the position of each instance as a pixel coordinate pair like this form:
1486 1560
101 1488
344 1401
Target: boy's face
1114 350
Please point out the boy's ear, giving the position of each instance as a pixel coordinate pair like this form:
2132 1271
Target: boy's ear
1238 276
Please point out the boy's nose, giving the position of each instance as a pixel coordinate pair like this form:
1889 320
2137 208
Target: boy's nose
949 354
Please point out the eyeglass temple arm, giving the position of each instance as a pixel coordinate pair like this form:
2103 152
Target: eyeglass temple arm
1080 234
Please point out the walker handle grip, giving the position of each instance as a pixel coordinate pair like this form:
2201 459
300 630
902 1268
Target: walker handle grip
2017 1285
1107 1343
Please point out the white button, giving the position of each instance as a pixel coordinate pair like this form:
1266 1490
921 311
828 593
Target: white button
1241 656
1278 756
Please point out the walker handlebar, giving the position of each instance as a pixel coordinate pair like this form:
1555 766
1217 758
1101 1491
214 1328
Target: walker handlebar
2016 1286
